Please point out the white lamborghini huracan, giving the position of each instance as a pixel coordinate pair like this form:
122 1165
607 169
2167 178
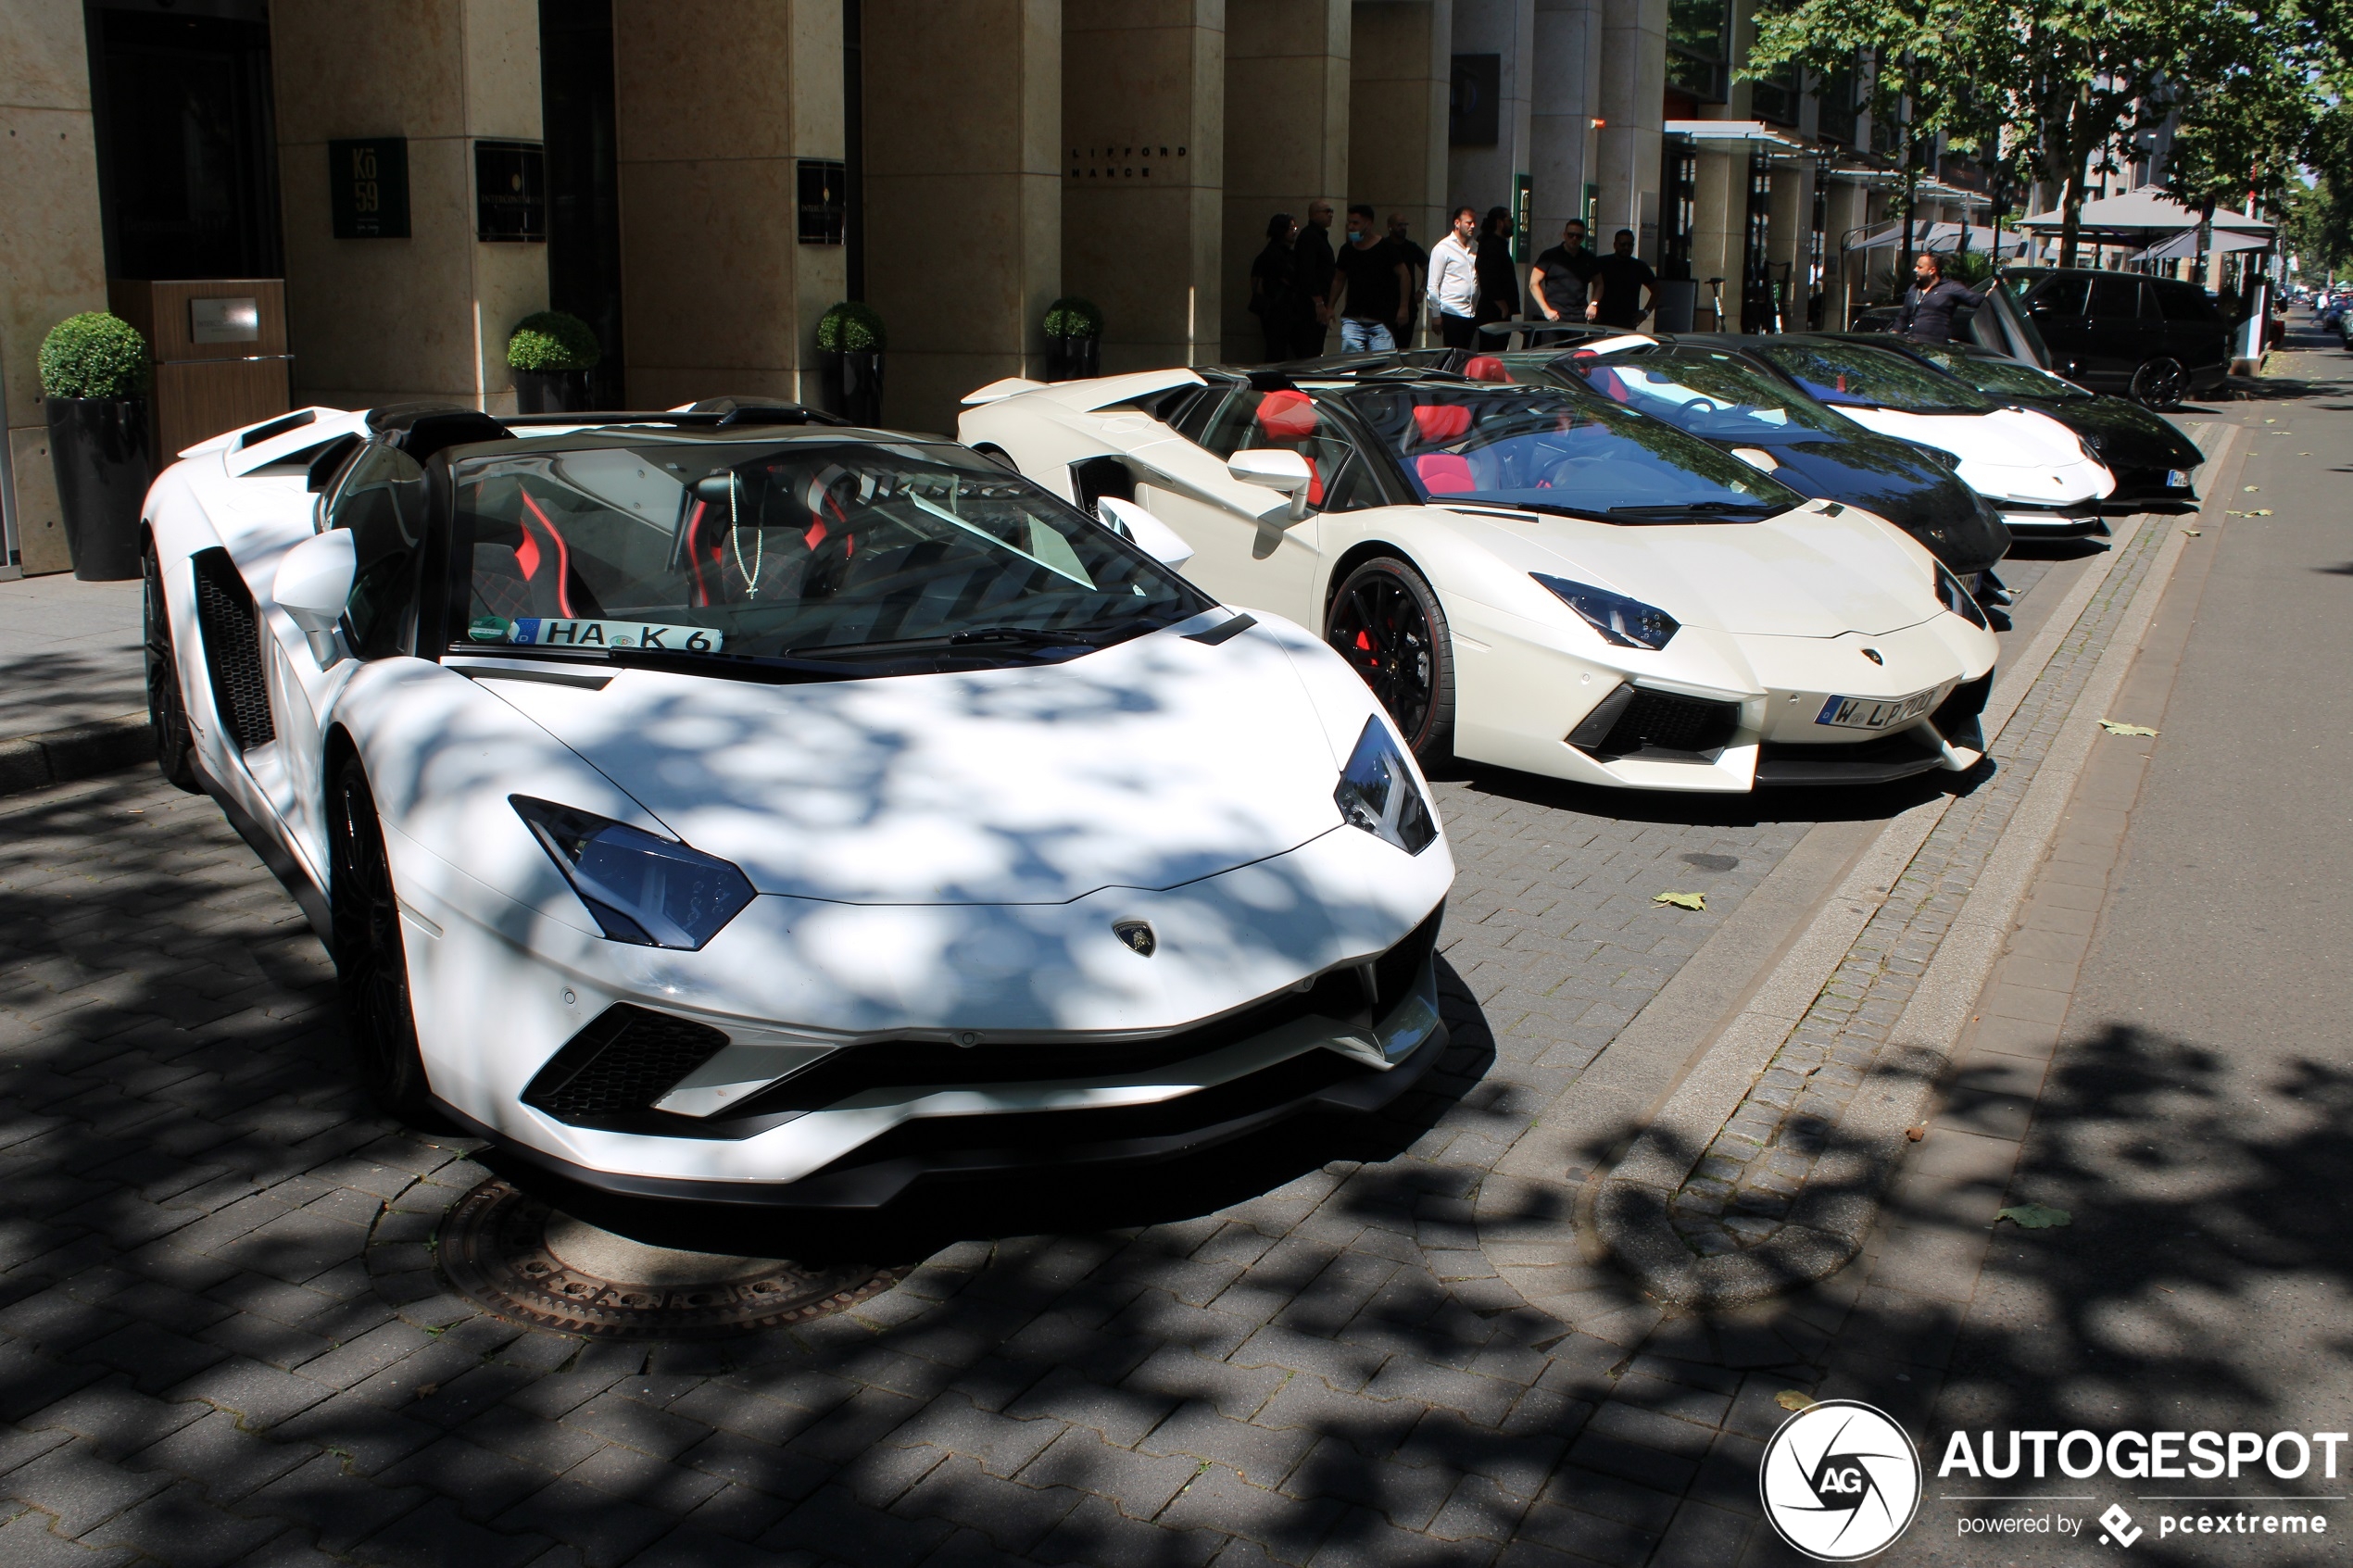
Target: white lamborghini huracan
1535 577
721 804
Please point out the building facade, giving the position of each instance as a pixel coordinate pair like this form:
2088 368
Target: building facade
699 181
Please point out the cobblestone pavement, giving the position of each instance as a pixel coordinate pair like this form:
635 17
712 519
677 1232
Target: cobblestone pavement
1740 1189
220 1341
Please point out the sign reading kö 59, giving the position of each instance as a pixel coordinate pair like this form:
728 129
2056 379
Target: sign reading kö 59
368 188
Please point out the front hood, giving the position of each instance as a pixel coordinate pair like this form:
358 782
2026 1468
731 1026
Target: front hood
2125 434
1910 489
1801 574
1150 764
2011 453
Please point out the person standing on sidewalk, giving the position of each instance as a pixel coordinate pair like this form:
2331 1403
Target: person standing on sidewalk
1369 288
1316 262
1417 261
1453 282
1617 285
1274 286
1498 269
1558 284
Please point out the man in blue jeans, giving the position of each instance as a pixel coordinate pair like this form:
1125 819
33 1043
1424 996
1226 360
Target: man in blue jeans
1370 288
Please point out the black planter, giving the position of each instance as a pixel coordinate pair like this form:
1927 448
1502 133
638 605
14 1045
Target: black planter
552 391
853 384
1074 359
105 459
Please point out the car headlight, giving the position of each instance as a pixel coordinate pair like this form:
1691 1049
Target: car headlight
1377 793
642 889
1956 599
1629 623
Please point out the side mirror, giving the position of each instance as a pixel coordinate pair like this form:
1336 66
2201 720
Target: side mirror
1149 535
314 584
1276 469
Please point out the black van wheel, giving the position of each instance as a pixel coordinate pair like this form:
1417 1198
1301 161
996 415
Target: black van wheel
2161 382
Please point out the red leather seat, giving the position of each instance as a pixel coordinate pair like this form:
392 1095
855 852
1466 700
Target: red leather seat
1286 416
1445 474
1440 421
1486 367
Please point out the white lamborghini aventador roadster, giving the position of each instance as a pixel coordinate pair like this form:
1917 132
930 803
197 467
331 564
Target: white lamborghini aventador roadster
721 804
1535 577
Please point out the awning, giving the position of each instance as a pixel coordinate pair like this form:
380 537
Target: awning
1942 238
1744 135
2183 246
2140 215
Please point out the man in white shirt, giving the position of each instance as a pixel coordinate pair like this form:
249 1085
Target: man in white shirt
1454 281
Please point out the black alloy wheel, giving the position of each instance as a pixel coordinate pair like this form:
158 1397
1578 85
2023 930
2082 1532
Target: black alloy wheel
1385 620
167 714
372 965
2161 382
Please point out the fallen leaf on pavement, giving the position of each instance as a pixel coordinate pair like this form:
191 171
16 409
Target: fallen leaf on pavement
2260 512
1790 1399
2250 489
2191 531
427 1390
2035 1216
2112 727
1916 1134
1682 900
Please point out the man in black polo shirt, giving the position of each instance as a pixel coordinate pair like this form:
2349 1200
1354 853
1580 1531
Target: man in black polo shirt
1313 256
1370 287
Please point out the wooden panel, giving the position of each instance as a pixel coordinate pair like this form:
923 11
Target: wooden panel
193 401
202 389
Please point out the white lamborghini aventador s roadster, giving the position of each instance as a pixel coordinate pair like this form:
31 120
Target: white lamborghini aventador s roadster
721 803
1535 577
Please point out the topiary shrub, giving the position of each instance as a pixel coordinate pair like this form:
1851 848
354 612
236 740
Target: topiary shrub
851 327
1073 316
550 340
94 355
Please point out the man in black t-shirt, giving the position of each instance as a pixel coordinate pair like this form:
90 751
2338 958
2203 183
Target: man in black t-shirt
1557 283
1618 283
1369 286
1416 262
1314 253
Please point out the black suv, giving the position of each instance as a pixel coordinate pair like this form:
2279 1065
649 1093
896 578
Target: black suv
2153 339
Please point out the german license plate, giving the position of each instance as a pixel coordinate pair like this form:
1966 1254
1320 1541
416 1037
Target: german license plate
554 634
1873 712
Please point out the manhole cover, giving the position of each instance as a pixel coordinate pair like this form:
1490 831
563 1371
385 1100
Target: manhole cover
524 1261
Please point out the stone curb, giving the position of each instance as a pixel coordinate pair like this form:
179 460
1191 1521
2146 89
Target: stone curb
1834 1212
84 751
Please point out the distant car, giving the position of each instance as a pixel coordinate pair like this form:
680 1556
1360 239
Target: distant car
716 805
2154 339
1535 577
1726 400
2151 460
2035 471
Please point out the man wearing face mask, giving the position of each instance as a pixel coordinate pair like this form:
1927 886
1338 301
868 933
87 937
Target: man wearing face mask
1369 288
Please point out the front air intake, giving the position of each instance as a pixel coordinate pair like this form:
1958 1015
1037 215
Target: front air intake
231 637
610 1073
1633 722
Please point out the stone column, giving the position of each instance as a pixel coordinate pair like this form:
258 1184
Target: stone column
715 103
1287 124
1633 91
1720 209
52 259
1568 97
1484 176
1398 71
1143 127
426 318
964 195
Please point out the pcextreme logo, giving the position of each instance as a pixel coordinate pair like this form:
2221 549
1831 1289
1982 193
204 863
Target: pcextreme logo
1841 1481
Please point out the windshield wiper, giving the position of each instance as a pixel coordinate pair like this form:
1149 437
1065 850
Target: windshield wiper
1696 508
978 637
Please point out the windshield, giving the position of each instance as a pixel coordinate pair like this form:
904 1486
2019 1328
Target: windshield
1714 396
1860 376
688 545
2003 378
1560 451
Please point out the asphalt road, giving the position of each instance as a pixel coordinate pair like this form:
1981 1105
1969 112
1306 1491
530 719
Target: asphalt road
2195 1122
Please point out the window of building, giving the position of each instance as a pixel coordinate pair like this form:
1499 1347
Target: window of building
1699 44
1777 97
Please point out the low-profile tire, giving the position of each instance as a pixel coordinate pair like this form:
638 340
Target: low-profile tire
372 962
1387 622
2161 382
167 713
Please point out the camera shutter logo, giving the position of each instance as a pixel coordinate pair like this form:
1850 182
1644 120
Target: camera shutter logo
1841 1481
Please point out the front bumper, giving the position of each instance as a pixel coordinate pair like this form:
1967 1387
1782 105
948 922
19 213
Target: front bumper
859 1137
2081 519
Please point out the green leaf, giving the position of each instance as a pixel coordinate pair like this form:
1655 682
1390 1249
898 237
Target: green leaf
2034 1217
2112 727
1682 900
551 340
1794 1400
